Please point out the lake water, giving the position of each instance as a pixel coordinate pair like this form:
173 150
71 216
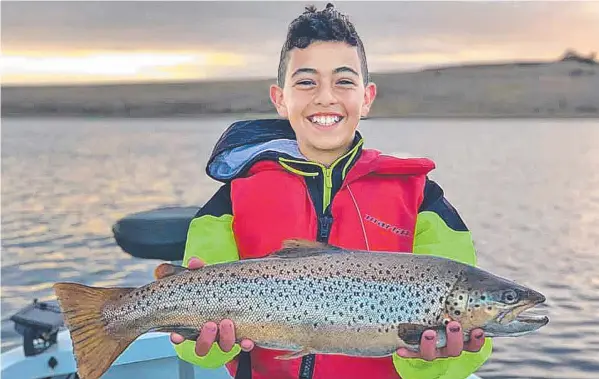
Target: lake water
528 189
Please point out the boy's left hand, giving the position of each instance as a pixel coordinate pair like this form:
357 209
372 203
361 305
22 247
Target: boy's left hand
455 344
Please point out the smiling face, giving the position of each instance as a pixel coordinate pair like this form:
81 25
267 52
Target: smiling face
324 97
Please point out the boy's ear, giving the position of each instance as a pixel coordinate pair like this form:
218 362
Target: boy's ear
369 95
276 96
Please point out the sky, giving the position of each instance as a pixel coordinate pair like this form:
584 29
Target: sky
127 41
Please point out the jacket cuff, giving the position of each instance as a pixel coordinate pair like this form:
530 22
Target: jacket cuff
214 359
443 368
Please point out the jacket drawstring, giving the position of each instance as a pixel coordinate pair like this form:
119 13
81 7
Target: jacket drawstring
360 216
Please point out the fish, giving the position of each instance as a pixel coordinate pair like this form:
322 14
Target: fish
306 298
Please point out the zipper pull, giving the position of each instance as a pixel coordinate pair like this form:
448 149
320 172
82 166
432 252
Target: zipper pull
325 227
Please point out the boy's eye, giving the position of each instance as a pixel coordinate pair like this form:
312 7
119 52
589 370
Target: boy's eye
305 82
345 82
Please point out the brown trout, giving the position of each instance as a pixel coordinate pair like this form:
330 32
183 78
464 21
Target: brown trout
307 298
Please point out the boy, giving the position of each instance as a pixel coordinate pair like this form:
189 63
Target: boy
307 176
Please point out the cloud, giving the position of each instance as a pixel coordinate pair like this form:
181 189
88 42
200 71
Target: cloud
415 30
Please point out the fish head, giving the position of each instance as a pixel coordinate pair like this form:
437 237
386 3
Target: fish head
480 299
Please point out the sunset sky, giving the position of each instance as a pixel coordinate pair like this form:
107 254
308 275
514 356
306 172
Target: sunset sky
85 42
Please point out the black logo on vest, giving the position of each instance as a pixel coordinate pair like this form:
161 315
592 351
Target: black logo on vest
392 228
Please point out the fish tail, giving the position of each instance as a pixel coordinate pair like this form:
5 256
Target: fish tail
94 347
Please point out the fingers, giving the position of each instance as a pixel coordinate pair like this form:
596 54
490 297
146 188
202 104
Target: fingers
195 263
477 340
246 345
405 353
176 338
455 340
206 338
455 343
226 335
428 345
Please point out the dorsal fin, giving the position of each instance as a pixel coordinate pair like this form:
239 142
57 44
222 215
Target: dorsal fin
297 248
297 243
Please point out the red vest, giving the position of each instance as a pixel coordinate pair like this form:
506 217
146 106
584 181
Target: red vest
271 204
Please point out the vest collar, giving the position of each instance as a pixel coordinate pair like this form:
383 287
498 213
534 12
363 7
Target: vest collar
246 142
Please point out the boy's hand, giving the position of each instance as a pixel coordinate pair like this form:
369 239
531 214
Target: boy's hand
455 343
207 337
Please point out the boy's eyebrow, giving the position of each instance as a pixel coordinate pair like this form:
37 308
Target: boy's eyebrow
345 69
305 70
313 71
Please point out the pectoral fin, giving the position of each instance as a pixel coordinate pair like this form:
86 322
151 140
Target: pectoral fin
295 354
187 333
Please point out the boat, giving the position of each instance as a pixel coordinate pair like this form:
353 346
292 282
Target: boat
46 351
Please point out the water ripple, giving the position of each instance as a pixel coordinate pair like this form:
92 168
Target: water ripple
528 190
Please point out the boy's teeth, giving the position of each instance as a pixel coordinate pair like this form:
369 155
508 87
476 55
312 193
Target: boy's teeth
325 120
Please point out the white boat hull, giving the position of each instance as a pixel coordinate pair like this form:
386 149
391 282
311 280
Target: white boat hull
151 356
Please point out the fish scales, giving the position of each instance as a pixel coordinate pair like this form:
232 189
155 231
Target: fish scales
306 298
354 294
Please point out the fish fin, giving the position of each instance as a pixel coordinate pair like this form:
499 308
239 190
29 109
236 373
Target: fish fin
410 333
296 243
295 354
187 333
297 248
95 349
166 269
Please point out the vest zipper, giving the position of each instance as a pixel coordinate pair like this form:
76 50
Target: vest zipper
325 220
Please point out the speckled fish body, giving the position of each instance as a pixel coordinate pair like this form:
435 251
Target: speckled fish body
315 299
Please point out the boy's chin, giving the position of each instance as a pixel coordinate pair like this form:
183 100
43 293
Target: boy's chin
335 145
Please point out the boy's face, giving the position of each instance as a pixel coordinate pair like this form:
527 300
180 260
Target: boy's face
324 97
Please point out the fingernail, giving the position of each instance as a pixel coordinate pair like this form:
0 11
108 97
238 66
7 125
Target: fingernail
478 336
429 338
454 329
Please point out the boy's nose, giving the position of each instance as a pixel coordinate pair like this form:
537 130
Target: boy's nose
325 96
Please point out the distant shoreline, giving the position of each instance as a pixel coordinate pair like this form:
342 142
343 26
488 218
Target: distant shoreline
568 88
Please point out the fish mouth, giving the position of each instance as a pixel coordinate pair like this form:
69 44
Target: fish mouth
516 322
532 319
524 314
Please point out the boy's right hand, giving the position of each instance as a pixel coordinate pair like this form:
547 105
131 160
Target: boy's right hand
207 337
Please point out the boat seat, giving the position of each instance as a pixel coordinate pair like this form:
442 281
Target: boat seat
155 234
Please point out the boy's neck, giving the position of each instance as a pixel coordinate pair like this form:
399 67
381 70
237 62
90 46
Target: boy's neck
325 157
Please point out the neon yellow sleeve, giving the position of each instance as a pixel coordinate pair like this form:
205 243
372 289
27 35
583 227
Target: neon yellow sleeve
434 237
211 239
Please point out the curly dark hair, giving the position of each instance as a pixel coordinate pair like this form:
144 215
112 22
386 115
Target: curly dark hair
326 25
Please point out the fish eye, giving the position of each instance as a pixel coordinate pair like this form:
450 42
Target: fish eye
510 297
